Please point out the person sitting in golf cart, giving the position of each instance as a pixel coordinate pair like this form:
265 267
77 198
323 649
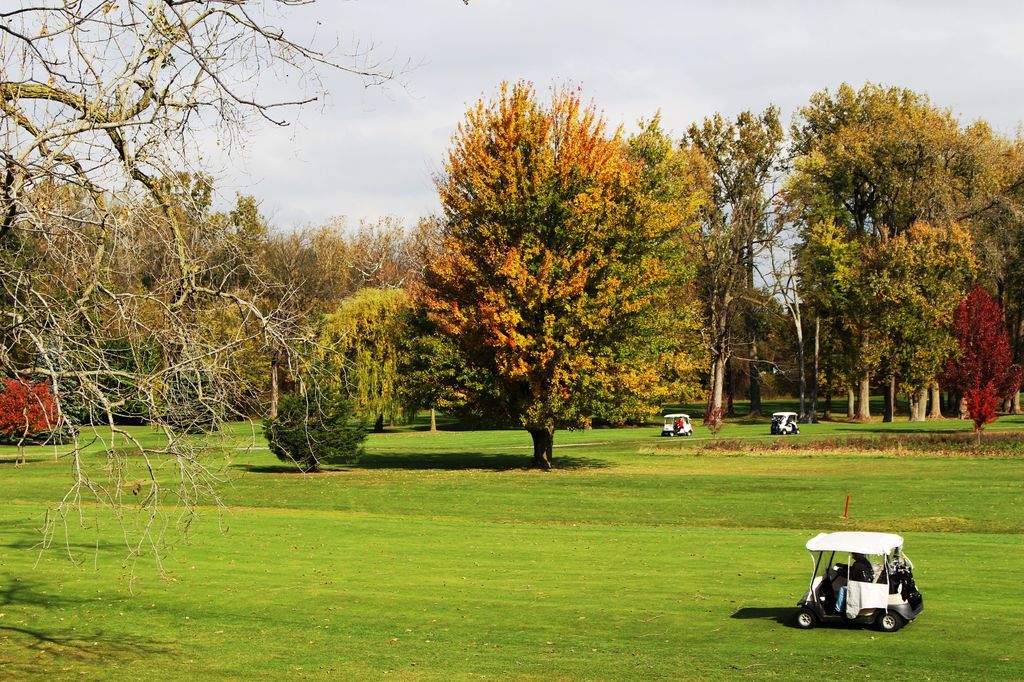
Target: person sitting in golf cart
857 593
784 424
677 425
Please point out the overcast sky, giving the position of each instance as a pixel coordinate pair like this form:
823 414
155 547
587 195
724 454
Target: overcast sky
365 153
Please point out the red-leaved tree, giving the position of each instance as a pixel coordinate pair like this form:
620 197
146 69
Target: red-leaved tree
27 411
983 371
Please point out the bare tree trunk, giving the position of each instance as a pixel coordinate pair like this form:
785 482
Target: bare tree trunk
814 380
433 420
802 369
919 405
543 441
850 411
275 362
755 380
936 406
864 399
1015 404
889 411
717 381
754 369
730 372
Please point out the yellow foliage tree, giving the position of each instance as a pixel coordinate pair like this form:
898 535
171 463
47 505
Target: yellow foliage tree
562 248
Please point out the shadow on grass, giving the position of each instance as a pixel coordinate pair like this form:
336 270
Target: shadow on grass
18 593
783 615
458 461
15 460
454 461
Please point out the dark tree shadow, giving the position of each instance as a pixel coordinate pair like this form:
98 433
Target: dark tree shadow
783 615
459 461
14 460
19 535
446 461
17 593
271 469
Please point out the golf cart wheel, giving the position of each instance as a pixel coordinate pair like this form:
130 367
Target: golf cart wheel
889 622
806 619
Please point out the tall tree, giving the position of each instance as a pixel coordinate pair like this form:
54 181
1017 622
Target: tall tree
743 158
877 160
560 249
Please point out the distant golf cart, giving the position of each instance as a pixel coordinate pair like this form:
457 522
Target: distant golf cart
784 424
677 425
875 586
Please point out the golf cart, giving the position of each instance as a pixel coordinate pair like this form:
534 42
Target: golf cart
677 425
860 591
784 424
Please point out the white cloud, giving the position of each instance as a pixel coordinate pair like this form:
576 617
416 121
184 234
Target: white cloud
366 153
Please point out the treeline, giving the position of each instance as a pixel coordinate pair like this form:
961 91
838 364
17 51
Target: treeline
576 275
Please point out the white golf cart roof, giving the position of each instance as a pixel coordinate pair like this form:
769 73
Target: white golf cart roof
861 543
676 416
783 414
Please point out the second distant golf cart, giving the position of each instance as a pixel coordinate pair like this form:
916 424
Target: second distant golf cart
677 425
784 424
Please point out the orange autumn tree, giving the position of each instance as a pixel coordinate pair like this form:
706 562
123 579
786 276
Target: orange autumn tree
562 246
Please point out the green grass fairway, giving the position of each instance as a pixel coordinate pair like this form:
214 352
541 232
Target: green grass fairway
440 557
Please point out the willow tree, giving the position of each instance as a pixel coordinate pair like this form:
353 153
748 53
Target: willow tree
360 352
561 247
100 102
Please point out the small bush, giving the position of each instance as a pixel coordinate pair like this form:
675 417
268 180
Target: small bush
313 433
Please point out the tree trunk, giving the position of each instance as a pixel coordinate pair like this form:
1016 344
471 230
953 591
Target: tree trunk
543 440
755 410
936 406
433 420
919 405
802 369
717 381
886 406
754 369
755 379
275 362
864 399
814 379
850 412
378 426
1015 404
889 411
730 409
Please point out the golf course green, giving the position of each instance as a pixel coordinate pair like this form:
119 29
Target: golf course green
440 556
